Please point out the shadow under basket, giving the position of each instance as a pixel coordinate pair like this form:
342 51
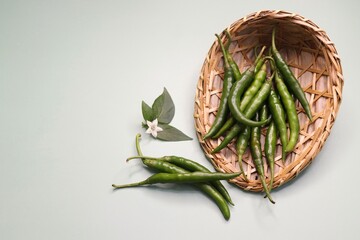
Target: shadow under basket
314 61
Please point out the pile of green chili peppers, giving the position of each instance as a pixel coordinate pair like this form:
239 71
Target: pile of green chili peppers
174 169
252 100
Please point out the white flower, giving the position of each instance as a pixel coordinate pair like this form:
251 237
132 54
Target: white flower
153 128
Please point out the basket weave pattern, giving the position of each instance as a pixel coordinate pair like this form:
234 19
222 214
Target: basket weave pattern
315 63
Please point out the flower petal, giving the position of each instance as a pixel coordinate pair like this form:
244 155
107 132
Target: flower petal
149 130
149 124
155 122
154 134
158 129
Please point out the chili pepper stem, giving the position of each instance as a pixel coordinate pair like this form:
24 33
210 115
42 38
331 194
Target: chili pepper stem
141 157
138 149
260 54
226 62
130 184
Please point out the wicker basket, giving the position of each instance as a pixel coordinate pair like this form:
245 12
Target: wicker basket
313 60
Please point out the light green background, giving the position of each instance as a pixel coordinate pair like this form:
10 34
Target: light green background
72 77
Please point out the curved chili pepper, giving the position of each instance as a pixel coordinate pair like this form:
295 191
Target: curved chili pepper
235 68
223 106
227 125
193 166
259 65
236 92
260 76
204 187
234 98
289 77
255 104
256 153
270 149
241 145
264 113
254 87
259 99
233 132
278 113
291 113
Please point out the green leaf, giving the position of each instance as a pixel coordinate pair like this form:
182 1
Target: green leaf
170 133
163 108
147 112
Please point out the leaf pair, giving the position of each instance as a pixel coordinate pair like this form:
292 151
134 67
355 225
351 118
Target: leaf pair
163 109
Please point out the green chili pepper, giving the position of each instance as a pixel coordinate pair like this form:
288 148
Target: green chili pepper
259 98
291 113
235 95
254 87
193 177
259 65
260 76
227 125
192 166
234 67
278 114
255 104
204 187
256 153
233 132
223 106
264 112
270 149
241 145
289 77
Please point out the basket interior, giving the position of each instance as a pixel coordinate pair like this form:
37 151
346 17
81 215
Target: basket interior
313 63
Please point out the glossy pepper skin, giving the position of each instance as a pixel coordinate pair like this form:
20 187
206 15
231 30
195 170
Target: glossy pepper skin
237 91
260 76
289 77
241 145
227 125
233 133
270 149
193 166
278 114
223 106
290 109
255 104
204 187
259 65
190 177
270 143
235 95
234 67
256 154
